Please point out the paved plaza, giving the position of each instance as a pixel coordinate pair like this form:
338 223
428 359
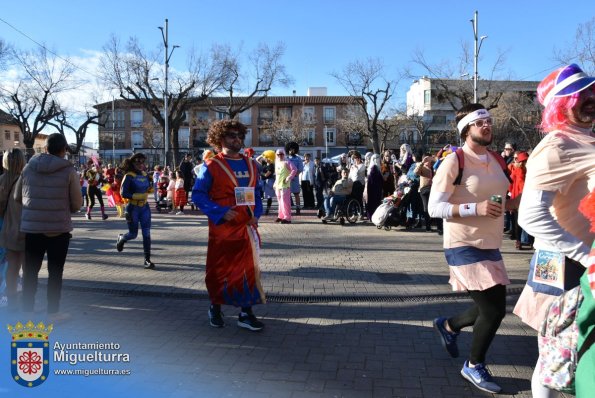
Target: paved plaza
349 315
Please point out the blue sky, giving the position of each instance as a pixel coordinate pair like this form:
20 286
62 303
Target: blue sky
320 36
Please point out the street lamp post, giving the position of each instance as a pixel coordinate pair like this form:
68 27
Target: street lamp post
164 35
476 54
113 131
326 141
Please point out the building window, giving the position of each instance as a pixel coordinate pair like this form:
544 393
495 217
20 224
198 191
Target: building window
202 116
330 136
248 139
308 114
221 115
16 136
136 117
416 137
265 115
184 138
309 137
265 137
354 138
157 139
284 113
120 118
246 117
329 114
7 136
439 119
426 97
137 139
200 139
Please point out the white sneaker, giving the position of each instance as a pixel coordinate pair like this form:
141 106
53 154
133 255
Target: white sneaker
179 213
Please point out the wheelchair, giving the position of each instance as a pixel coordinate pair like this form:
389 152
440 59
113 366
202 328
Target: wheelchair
350 210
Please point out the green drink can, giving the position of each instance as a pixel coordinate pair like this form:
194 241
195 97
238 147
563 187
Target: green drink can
496 198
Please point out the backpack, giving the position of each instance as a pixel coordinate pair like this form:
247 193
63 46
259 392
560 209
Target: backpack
461 158
557 341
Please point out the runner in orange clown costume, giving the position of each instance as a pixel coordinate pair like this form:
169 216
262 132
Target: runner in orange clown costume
227 191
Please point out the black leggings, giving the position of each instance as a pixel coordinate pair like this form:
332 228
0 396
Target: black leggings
92 193
485 317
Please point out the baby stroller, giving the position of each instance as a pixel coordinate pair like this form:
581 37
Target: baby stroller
163 202
393 210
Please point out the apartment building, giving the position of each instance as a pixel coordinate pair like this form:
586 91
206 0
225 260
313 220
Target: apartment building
426 100
270 122
11 137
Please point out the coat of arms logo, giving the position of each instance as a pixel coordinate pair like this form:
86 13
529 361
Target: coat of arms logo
30 353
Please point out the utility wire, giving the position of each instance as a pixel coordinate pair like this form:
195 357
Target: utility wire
48 50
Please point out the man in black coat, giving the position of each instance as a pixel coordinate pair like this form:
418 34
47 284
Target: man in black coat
186 167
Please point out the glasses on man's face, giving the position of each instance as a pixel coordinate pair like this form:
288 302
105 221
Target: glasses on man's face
138 160
233 136
479 123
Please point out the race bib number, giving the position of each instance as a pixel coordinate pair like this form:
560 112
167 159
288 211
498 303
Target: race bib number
245 196
549 268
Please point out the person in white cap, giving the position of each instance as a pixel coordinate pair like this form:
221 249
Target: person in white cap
560 172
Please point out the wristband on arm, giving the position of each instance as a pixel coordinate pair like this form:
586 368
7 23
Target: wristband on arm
468 209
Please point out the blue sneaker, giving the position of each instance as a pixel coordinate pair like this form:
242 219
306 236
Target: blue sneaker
448 339
480 377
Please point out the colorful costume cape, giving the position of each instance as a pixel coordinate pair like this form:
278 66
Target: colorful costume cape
232 269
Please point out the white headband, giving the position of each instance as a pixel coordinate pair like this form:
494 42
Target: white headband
473 116
562 85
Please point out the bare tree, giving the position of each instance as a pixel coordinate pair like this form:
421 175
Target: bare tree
33 101
4 53
352 122
582 49
284 129
455 91
367 80
516 120
135 74
247 79
62 124
420 124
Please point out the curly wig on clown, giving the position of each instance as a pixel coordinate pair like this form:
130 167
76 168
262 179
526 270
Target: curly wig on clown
218 130
292 146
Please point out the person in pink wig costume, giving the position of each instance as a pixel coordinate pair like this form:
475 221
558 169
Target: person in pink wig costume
560 172
284 172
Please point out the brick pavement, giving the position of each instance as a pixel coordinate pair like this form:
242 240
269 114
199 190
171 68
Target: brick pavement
334 348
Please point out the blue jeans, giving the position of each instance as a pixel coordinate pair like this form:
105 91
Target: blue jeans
331 202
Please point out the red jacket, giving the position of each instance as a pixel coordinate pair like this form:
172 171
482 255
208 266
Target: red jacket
517 174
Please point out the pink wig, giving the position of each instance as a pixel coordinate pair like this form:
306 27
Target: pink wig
555 113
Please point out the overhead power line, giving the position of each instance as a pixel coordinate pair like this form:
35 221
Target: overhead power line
47 49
